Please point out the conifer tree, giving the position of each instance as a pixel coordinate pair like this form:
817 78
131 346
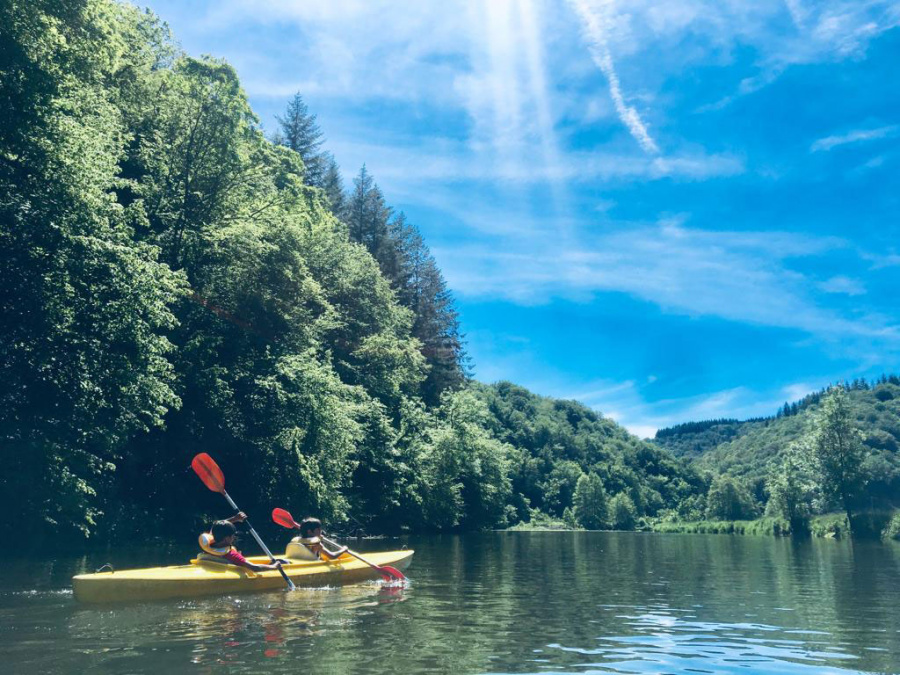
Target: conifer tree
301 133
368 216
333 185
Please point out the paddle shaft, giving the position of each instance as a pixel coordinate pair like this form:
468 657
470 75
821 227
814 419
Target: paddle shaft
357 556
259 541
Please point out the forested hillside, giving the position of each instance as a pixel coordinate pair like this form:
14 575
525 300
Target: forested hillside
755 450
173 281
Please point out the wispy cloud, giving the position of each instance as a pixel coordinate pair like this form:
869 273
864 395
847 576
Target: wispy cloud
629 404
855 136
843 285
738 276
446 160
595 32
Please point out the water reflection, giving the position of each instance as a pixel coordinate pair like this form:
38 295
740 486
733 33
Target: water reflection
496 603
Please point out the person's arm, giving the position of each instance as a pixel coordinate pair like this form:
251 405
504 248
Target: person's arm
238 559
240 517
333 554
260 568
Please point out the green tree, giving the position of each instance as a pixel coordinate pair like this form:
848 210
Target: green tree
838 450
623 515
590 503
368 216
559 488
792 489
466 476
333 185
728 499
84 309
301 133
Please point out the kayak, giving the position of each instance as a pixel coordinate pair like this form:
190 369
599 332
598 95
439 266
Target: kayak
204 577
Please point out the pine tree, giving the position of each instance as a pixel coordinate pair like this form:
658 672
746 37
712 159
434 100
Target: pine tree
368 216
301 133
333 185
421 287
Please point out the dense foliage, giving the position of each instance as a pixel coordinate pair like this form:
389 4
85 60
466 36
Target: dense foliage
175 282
837 449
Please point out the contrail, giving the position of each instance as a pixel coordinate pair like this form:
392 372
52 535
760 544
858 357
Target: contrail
599 48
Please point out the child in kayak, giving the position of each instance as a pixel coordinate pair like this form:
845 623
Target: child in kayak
218 545
308 546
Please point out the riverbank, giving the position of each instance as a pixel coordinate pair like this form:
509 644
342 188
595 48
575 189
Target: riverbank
884 525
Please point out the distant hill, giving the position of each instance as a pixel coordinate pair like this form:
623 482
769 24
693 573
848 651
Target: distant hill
752 449
692 439
554 441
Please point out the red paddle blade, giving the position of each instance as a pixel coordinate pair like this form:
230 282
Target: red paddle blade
209 472
393 572
283 518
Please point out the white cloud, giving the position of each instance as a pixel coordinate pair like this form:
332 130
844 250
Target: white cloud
823 31
843 285
627 404
796 391
443 160
737 276
856 136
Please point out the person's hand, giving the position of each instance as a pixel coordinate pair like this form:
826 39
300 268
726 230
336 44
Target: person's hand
239 518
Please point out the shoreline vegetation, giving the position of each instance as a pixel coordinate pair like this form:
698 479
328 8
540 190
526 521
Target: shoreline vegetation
177 280
883 525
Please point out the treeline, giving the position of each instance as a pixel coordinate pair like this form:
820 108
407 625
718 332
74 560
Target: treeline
693 427
175 282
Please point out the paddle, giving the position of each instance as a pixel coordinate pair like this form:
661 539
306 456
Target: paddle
211 475
285 519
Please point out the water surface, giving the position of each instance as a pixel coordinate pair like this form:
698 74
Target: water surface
517 602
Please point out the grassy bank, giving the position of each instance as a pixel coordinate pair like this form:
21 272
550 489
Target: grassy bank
540 521
765 526
870 525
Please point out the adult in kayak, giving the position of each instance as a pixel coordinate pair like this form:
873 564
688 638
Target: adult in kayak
218 546
308 545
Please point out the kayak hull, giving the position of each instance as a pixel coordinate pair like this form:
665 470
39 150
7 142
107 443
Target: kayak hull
211 578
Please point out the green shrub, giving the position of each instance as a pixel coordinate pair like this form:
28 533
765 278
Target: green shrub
892 531
830 525
762 526
869 524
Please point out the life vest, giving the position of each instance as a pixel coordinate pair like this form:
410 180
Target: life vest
206 544
298 548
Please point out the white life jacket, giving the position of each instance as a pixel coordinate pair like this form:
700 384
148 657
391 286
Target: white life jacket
298 548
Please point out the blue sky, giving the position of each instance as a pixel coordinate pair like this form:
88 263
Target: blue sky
669 210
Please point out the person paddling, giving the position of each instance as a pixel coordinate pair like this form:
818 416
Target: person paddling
218 546
308 545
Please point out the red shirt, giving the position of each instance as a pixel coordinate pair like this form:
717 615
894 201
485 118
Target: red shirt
234 556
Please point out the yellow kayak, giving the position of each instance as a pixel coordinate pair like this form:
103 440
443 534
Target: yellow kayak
212 578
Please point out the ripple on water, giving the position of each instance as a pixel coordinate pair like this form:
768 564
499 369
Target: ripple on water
667 643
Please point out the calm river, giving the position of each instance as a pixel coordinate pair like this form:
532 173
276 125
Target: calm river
526 602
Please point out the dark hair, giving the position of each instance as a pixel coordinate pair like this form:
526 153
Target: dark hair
308 525
222 529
